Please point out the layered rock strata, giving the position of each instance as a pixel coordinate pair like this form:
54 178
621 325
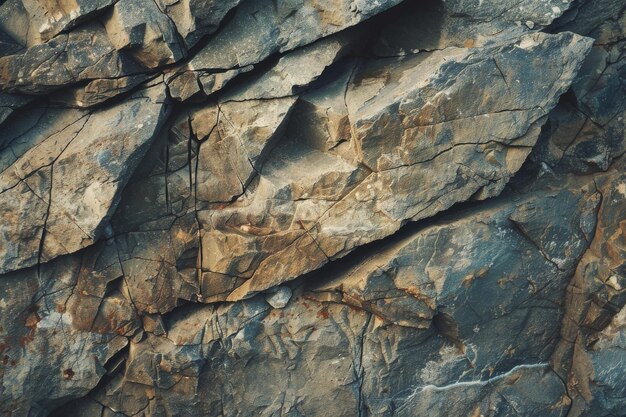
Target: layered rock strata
312 208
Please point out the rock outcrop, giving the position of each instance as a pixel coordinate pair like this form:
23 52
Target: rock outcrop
312 208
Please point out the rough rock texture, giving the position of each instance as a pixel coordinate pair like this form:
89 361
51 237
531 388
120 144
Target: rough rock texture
312 208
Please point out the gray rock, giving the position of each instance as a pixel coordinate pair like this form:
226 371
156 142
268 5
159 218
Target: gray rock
195 19
261 28
145 31
280 298
439 24
586 131
48 18
356 353
11 102
80 55
293 71
426 127
311 208
47 213
184 84
50 317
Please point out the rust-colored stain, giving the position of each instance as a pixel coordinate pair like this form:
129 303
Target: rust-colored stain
32 319
323 313
31 324
68 373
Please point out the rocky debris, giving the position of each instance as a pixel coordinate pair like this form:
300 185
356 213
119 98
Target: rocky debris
280 298
310 208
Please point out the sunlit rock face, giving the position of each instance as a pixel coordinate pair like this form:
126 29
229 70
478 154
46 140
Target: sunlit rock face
312 208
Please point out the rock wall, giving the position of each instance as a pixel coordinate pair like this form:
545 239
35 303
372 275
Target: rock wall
312 208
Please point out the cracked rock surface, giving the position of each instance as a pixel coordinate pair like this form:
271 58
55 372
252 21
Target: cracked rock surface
312 208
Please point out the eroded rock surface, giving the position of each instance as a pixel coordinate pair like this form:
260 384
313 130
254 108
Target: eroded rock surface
312 208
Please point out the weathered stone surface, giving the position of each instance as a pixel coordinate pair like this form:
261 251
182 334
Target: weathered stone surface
80 55
196 18
100 91
425 126
50 17
293 71
59 325
184 85
312 208
263 27
62 173
586 131
32 22
606 377
360 348
145 31
441 24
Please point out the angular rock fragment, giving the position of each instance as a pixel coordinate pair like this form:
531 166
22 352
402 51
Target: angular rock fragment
145 31
293 71
369 358
80 55
68 167
196 18
406 119
59 326
439 24
261 28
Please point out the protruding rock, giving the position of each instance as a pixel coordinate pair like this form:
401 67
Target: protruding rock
409 121
141 28
280 298
81 55
68 167
261 28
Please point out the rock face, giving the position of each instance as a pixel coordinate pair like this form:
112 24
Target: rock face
312 208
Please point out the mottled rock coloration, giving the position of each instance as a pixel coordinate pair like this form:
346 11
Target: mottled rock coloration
312 208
